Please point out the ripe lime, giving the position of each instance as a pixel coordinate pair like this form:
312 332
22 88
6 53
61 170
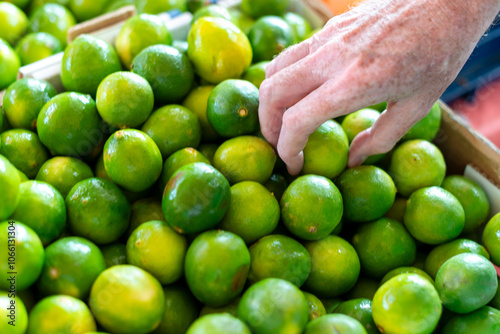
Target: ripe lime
9 64
86 9
54 19
358 121
269 36
17 314
37 46
157 7
397 210
13 23
486 320
256 73
299 25
335 324
241 20
144 210
180 158
197 102
361 310
315 306
212 11
405 270
9 188
428 127
218 323
491 238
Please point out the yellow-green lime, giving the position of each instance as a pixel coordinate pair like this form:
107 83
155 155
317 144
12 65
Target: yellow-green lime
486 320
405 270
269 36
37 46
300 26
397 210
315 306
335 324
157 7
256 73
241 20
54 19
144 210
9 188
180 158
13 23
361 310
428 127
218 323
491 238
197 102
212 11
86 9
358 121
9 64
13 313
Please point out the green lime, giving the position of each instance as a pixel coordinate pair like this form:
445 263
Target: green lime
181 310
315 306
144 210
335 267
218 323
365 287
231 308
218 49
335 324
379 106
428 127
71 266
180 158
113 5
97 210
9 64
42 208
256 73
13 23
416 164
383 245
99 170
87 9
472 198
397 210
241 20
37 46
269 36
274 306
69 124
306 192
60 314
433 215
208 151
138 33
9 188
168 71
24 150
54 19
126 299
300 26
86 62
359 121
278 256
444 252
172 128
491 238
326 151
405 270
157 7
13 313
196 198
223 253
407 303
277 185
466 282
485 320
361 310
258 8
114 254
212 11
197 102
20 3
24 255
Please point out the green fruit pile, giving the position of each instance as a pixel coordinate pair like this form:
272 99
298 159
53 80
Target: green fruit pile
144 199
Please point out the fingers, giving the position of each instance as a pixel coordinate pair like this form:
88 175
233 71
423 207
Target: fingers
288 57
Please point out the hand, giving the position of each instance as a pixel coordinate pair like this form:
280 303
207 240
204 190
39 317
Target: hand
403 52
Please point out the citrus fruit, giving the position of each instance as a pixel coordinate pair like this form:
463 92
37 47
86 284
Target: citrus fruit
218 49
144 210
383 245
361 310
365 287
256 73
168 71
278 256
407 303
245 158
231 308
114 254
28 255
428 127
60 314
97 210
311 191
277 185
9 64
253 213
241 20
172 128
269 36
472 198
359 121
233 108
63 173
331 304
220 252
208 151
326 151
86 62
196 198
274 306
433 215
485 320
113 5
491 237
37 46
23 101
444 252
126 299
13 313
13 23
9 188
99 170
157 7
69 124
157 248
41 207
416 164
335 267
181 310
379 106
258 8
335 324
218 323
86 9
138 33
397 210
71 266
299 25
212 11
20 3
24 150
316 307
197 102
405 270
180 158
466 282
54 19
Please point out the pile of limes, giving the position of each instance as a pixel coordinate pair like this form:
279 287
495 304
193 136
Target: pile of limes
145 200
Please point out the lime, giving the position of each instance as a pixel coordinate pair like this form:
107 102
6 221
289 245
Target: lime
485 320
13 313
223 253
218 49
196 198
9 188
466 282
491 237
113 5
331 304
168 71
71 266
97 210
383 245
208 151
37 46
26 249
24 150
278 256
241 20
41 207
269 36
69 124
212 11
20 3
231 308
87 9
181 310
444 252
13 23
365 287
299 25
277 185
99 170
428 127
397 210
433 215
311 191
335 324
417 164
359 121
54 19
407 303
335 267
157 7
326 151
9 64
180 158
316 307
60 314
379 106
253 213
405 270
126 299
86 62
274 306
245 158
256 73
114 254
144 210
361 310
197 102
23 101
218 323
258 8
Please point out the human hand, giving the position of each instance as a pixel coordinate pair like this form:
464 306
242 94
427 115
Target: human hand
399 51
